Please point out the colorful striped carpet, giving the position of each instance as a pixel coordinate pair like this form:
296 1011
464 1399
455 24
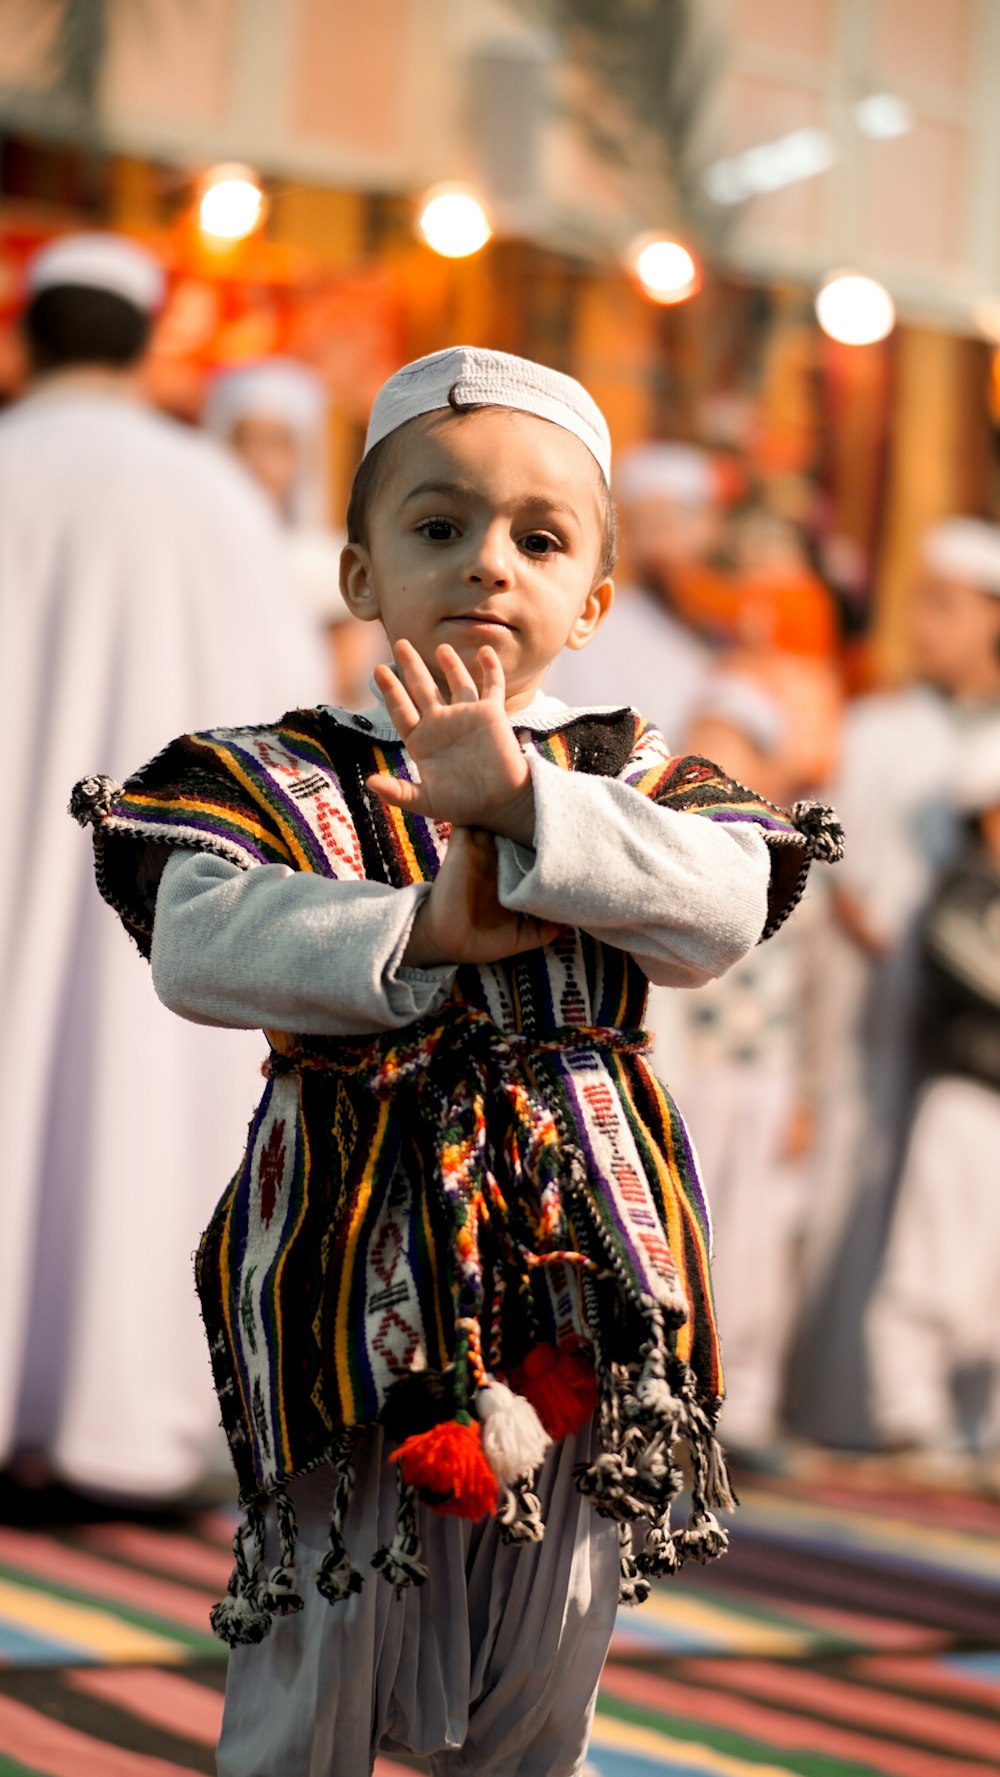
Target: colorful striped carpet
854 1631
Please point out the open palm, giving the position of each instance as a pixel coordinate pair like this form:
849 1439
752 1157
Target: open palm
472 770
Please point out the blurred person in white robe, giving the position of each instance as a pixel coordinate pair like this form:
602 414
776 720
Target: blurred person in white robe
274 416
646 654
934 1323
143 591
895 794
747 1086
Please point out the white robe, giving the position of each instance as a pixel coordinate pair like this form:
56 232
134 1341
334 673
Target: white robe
641 656
936 1310
645 657
894 797
142 594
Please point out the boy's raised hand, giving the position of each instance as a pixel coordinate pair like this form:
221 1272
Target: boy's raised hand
472 770
462 919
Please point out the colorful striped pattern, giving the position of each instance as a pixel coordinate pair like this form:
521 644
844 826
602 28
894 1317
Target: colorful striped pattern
347 1248
853 1631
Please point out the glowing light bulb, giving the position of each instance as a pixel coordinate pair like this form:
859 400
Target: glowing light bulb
856 311
665 269
231 205
454 223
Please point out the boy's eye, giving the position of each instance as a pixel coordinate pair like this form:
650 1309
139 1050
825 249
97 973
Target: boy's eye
438 530
539 543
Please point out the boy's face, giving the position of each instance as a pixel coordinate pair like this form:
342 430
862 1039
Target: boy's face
270 450
955 632
485 530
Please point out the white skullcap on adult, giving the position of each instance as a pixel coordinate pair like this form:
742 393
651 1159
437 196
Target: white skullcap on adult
284 390
279 388
964 549
100 262
976 772
678 472
473 377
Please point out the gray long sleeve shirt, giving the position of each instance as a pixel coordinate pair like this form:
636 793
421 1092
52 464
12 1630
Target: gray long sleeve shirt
290 950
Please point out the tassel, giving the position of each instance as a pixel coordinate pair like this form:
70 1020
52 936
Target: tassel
633 1586
278 1594
400 1561
659 1556
608 1482
336 1579
561 1386
239 1622
238 1618
657 1482
447 1468
513 1437
821 830
91 800
520 1515
711 1485
702 1539
654 1403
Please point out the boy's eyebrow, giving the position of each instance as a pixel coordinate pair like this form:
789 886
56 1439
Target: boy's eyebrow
460 488
464 490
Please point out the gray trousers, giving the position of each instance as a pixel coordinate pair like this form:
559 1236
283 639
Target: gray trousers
490 1668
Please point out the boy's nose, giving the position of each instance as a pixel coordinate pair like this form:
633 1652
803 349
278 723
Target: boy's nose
489 564
480 576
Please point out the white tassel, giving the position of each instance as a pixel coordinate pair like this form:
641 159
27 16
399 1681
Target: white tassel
514 1438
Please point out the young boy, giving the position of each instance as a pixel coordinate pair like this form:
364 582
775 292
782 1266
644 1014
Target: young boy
468 1220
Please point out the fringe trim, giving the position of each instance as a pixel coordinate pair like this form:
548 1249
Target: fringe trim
520 1514
644 1413
336 1579
401 1560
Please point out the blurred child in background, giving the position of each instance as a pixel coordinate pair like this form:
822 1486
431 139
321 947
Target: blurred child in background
274 416
935 1316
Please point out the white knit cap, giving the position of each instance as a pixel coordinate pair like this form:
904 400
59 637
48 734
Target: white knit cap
101 262
977 769
966 550
677 472
279 388
489 379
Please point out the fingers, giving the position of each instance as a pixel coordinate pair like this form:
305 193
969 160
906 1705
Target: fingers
533 933
459 680
494 685
417 677
396 791
398 701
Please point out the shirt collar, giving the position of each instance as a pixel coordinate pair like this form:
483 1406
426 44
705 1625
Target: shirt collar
543 715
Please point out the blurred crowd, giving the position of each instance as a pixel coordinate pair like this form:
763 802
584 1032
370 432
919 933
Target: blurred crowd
842 1085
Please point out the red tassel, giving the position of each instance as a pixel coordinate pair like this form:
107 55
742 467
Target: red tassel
447 1467
561 1386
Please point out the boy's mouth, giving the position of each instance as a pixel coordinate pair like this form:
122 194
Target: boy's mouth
479 620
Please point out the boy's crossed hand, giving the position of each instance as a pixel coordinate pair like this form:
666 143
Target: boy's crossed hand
473 774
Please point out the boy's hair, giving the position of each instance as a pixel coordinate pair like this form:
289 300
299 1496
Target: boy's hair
77 324
373 469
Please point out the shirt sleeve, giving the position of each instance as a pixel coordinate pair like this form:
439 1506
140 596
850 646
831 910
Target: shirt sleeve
282 949
684 896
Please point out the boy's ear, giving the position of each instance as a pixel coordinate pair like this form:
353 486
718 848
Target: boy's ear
598 604
356 581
